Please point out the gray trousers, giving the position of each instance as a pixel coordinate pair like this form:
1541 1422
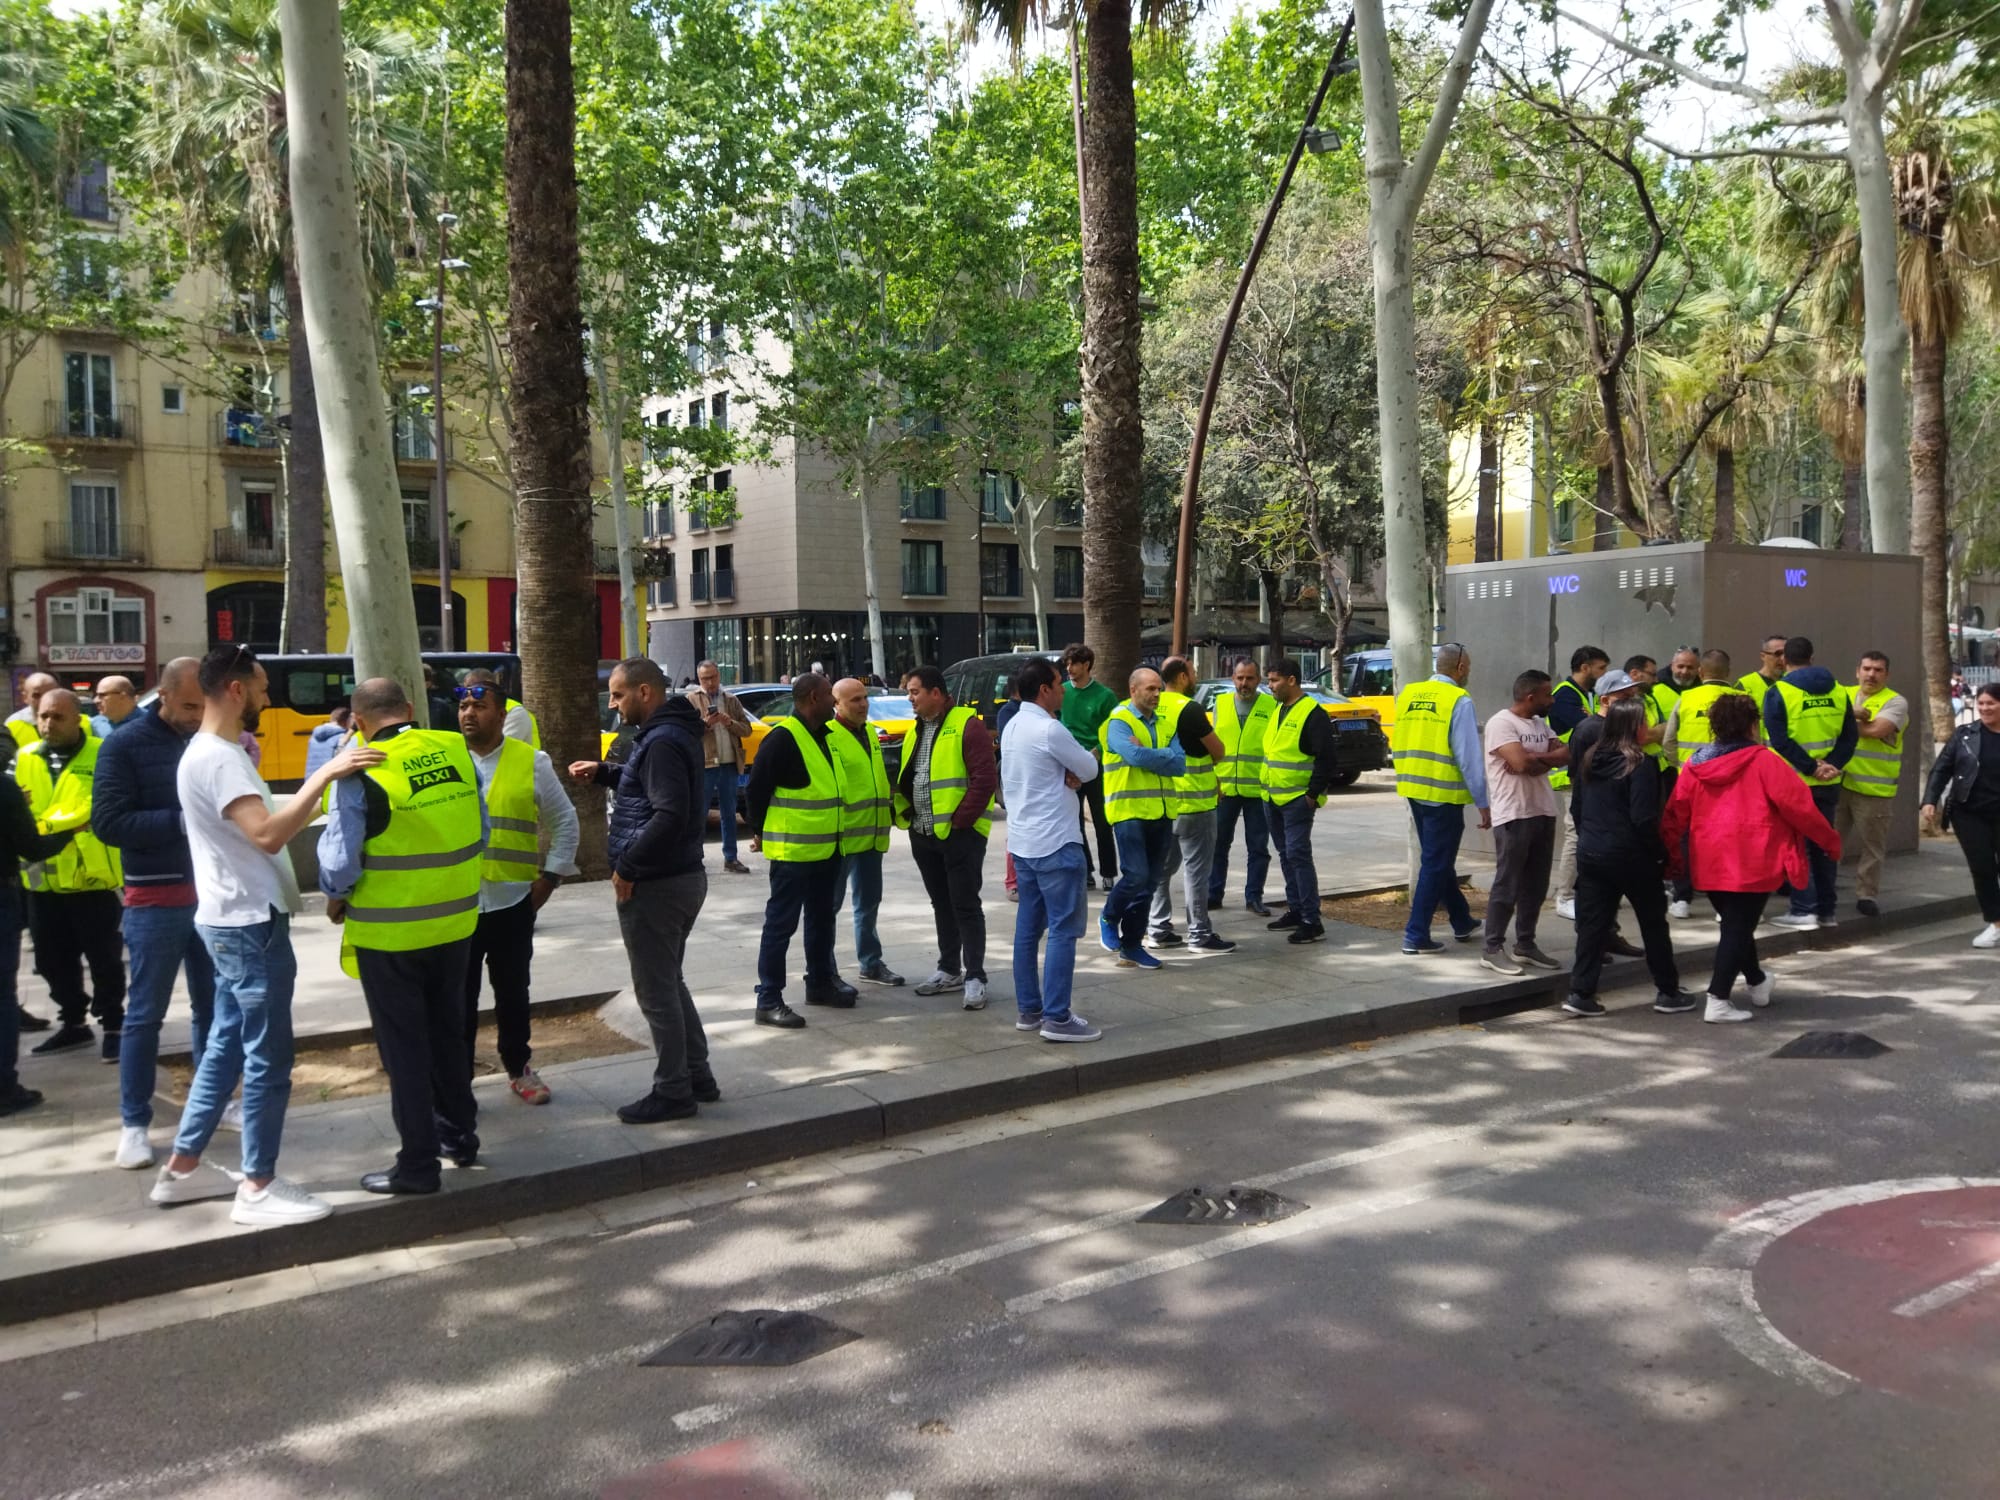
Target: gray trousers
1565 847
1192 852
655 924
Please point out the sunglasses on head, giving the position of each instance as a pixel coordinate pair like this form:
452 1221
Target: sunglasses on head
478 692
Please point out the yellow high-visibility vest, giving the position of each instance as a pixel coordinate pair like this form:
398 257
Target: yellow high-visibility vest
513 849
949 781
864 788
1129 792
1197 788
534 741
1659 703
802 824
1288 772
1878 764
1813 720
1242 770
419 885
1559 777
1426 770
1692 729
64 802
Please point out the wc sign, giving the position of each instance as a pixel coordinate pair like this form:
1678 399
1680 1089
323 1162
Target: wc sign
1565 583
1795 578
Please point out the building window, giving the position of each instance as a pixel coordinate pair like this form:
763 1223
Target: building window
260 517
725 573
88 194
696 411
662 592
1812 521
1069 572
697 507
417 528
93 519
90 402
998 495
413 424
94 617
920 502
718 411
722 482
1563 521
1000 570
1069 510
173 400
923 568
658 517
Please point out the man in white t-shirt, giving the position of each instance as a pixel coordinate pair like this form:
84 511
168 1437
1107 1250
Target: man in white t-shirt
245 898
1521 750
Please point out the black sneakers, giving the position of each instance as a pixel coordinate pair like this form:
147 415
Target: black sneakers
1289 919
64 1039
1675 1003
653 1109
1582 1005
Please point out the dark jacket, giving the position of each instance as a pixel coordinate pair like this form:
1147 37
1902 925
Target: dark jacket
135 806
20 841
1777 727
658 812
1617 813
1956 768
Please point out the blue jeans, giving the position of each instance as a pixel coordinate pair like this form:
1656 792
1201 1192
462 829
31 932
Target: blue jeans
10 1004
1051 899
1256 848
862 875
1292 832
718 785
251 1038
802 891
1821 900
158 939
1142 854
1440 827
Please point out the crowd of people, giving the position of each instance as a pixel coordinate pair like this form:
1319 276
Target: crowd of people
153 849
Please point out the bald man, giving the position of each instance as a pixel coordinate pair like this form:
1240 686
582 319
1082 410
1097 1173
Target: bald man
21 723
75 913
864 820
117 702
137 811
1141 759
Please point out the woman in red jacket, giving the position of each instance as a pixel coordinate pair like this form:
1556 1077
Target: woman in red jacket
1744 814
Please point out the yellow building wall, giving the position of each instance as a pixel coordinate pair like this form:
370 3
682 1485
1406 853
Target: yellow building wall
1522 502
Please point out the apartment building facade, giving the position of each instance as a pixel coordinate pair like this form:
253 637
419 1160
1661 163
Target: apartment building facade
152 522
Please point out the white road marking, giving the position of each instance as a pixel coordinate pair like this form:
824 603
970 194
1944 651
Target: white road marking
1952 1291
699 1416
1250 1239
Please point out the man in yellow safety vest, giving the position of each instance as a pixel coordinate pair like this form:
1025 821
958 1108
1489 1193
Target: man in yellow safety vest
1141 759
1241 718
1298 768
1868 787
865 820
943 794
1687 730
1191 802
1809 721
524 798
400 861
1574 700
1440 771
794 817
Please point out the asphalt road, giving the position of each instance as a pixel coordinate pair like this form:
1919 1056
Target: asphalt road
1506 1282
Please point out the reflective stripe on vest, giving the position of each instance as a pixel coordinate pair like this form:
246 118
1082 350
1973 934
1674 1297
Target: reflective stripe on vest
1813 720
534 740
513 851
1692 729
949 781
1659 703
1288 770
1241 773
419 885
1426 770
864 788
1559 778
802 824
1129 792
60 802
1197 788
1878 764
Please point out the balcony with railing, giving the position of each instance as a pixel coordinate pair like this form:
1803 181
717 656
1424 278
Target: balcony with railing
241 431
239 546
102 540
416 445
725 584
79 426
424 552
665 593
699 589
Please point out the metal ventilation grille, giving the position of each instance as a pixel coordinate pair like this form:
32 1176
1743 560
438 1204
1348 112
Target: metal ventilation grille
1489 588
1646 578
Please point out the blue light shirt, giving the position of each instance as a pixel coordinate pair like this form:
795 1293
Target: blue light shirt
1465 746
1167 760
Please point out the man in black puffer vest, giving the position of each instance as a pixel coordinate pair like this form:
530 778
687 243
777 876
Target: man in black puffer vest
657 817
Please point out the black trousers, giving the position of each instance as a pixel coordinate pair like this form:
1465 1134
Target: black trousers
1090 815
1821 899
71 928
1736 949
655 924
1979 841
953 870
1598 888
504 944
416 1003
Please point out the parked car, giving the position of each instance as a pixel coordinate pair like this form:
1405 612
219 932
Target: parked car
1369 679
891 714
980 682
1359 743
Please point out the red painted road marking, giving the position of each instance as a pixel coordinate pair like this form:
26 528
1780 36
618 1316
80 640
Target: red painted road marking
723 1471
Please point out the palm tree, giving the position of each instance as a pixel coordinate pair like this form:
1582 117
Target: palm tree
1113 428
216 140
27 144
549 392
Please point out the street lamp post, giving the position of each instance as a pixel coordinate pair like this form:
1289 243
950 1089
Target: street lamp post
440 514
1309 139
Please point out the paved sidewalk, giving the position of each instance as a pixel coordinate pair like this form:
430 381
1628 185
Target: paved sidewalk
76 1232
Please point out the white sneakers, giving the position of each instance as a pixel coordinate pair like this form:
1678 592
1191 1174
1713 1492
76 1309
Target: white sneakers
281 1202
1680 911
232 1117
206 1181
1989 937
1567 909
1760 994
1803 921
1722 1010
975 994
942 982
134 1150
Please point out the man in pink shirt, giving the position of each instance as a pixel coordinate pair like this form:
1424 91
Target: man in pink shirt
1521 750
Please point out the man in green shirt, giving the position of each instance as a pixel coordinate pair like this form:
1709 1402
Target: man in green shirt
1085 707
